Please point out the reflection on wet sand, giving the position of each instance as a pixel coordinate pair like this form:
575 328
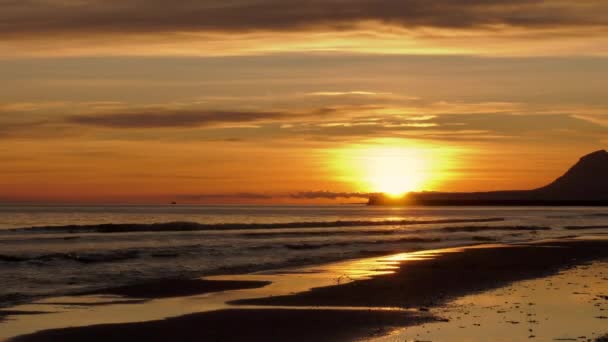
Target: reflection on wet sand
569 306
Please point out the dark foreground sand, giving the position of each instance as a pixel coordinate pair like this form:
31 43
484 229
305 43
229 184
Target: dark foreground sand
244 325
415 284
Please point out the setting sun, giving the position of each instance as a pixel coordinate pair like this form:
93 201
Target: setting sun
386 166
394 171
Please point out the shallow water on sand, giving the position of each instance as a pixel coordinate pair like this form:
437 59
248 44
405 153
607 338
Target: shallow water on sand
80 311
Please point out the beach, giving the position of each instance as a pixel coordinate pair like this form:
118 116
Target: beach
321 170
383 297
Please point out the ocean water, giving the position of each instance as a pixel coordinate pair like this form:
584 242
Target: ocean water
56 250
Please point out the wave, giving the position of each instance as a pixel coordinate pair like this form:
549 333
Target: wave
192 226
472 229
410 239
462 229
585 227
85 258
479 238
572 216
304 246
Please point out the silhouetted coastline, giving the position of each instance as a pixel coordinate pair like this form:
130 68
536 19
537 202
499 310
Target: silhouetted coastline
584 184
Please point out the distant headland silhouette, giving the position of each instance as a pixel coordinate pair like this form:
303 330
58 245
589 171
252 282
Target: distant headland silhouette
584 184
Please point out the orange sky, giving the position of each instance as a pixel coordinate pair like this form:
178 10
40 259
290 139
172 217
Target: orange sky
199 102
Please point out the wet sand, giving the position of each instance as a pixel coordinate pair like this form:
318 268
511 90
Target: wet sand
433 281
167 288
246 324
569 306
357 305
8 313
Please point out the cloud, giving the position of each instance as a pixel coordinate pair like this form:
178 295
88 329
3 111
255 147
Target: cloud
443 121
452 126
226 196
328 195
253 196
29 129
51 17
163 118
598 119
346 93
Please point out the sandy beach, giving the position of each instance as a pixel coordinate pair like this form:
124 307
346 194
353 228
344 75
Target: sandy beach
360 299
321 170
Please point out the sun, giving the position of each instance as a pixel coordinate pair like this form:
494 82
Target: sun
394 171
394 167
385 167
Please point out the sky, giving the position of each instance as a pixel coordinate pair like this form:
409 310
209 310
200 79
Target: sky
271 101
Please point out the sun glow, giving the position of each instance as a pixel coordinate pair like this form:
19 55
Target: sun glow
394 171
391 168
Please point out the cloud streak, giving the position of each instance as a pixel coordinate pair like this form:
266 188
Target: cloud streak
303 195
170 118
448 122
328 195
224 196
37 17
346 93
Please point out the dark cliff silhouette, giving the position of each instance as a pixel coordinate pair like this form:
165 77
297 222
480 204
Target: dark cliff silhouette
586 183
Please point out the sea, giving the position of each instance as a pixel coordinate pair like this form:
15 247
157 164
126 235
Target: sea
60 250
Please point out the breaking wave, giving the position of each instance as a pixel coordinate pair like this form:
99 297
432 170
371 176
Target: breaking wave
191 226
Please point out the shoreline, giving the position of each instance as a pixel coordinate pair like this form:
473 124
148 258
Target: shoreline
72 262
432 282
396 292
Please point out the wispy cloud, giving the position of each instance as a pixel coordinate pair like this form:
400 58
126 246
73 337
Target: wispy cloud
328 195
443 121
255 196
346 93
162 118
223 196
598 119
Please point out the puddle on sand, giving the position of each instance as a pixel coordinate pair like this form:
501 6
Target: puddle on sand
570 306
